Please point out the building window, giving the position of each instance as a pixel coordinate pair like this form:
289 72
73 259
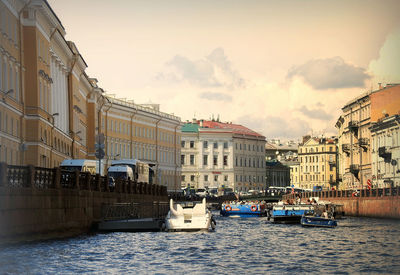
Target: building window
182 178
182 159
191 144
205 144
183 144
215 177
225 145
225 178
191 159
215 145
215 160
205 159
205 177
225 160
192 178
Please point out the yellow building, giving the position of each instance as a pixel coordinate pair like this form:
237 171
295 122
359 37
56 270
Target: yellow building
354 141
50 109
317 157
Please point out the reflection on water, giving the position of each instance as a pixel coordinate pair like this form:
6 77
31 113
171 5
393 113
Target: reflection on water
251 246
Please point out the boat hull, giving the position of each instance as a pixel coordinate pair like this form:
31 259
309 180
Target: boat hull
317 222
242 210
195 218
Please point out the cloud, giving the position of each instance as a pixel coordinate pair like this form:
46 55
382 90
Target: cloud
386 68
330 73
315 113
216 96
199 72
214 70
276 127
220 60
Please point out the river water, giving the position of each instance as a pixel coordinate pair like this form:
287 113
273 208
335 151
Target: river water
237 246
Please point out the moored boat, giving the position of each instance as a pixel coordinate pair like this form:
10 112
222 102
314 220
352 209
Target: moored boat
189 218
243 209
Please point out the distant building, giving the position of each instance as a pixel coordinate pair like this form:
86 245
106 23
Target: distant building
274 149
222 155
317 158
277 174
294 172
386 152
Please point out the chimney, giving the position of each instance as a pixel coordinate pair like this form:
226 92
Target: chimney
380 85
201 123
194 121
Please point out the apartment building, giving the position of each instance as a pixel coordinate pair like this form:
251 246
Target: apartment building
354 137
386 152
51 110
317 157
222 155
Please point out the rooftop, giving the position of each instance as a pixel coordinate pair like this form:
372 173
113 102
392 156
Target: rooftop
209 124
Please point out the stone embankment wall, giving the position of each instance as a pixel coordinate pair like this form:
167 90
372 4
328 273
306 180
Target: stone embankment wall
40 203
378 203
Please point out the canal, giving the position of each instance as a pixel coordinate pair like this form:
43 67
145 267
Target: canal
237 246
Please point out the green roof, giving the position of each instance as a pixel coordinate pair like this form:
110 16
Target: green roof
190 128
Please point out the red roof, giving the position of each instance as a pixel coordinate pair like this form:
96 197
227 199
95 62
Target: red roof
236 128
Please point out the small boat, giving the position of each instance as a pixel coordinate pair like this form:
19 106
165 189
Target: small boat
310 220
289 213
243 209
189 218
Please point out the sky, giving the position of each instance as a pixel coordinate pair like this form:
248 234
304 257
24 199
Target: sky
283 68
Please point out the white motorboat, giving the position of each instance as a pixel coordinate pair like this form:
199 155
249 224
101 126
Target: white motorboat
189 218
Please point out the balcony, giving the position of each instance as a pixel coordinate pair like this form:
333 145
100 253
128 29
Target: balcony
355 169
353 127
346 148
364 143
384 153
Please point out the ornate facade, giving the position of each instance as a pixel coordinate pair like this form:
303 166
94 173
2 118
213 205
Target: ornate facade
50 109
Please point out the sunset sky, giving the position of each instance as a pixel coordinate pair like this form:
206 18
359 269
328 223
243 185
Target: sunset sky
283 68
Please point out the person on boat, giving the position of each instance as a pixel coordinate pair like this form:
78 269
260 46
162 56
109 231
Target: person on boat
325 215
313 201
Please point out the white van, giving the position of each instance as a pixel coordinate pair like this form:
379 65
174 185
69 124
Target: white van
120 172
82 165
141 169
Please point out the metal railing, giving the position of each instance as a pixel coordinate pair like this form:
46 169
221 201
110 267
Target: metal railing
47 178
361 193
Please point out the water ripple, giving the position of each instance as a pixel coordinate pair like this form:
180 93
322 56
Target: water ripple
251 246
